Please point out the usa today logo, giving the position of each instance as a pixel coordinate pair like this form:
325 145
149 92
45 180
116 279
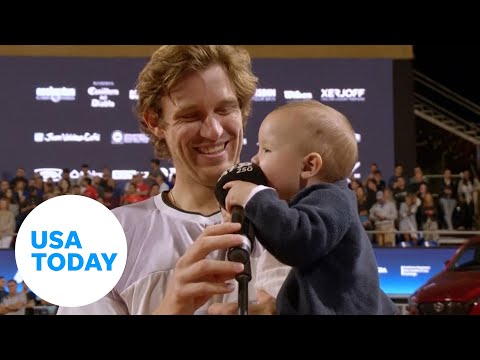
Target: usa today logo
71 250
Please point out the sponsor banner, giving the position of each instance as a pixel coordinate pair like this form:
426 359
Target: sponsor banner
118 137
55 94
346 94
41 137
101 93
266 95
297 95
117 174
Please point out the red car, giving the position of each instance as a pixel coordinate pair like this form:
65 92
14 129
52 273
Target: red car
456 289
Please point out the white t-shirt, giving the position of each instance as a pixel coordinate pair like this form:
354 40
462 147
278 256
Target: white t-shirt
13 299
157 235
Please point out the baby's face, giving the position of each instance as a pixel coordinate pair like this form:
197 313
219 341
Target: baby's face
279 154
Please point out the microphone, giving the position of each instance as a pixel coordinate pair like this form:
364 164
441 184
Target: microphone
245 171
250 172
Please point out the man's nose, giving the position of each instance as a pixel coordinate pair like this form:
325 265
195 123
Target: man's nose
211 128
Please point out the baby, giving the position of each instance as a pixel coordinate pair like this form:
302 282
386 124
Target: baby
307 216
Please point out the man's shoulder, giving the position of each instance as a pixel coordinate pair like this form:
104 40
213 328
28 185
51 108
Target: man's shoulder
135 209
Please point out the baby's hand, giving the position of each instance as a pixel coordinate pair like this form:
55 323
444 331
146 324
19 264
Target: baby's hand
238 193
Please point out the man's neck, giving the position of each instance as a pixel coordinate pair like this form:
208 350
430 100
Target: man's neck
195 198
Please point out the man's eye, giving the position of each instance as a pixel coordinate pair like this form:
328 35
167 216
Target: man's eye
224 111
190 117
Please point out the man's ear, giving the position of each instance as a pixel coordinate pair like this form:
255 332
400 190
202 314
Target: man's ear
312 163
151 120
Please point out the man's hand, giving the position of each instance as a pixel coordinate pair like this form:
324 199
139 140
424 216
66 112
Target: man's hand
196 279
266 305
238 193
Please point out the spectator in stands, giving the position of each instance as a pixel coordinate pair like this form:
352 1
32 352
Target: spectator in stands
106 177
142 187
422 191
21 193
65 174
354 184
39 184
408 220
448 180
117 191
460 214
19 176
32 299
397 173
13 202
154 190
7 224
48 189
162 183
76 190
371 175
416 180
447 204
465 187
26 201
14 303
429 218
131 195
377 176
371 192
4 185
84 171
64 186
363 209
90 190
399 190
154 172
108 199
96 180
383 214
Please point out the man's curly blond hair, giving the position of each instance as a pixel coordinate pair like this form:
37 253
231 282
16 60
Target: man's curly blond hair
170 63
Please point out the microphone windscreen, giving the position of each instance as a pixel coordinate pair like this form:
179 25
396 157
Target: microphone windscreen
245 171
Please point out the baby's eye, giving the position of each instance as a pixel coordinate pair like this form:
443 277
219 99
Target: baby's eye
266 150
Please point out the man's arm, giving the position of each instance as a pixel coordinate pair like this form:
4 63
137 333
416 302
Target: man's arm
3 309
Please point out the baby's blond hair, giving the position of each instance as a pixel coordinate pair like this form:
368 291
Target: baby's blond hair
327 132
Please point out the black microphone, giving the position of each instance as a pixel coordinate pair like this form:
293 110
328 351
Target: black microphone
250 172
245 171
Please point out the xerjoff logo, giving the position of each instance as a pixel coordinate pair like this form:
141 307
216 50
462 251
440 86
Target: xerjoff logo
357 94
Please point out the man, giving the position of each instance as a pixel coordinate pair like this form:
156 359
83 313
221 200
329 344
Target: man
14 303
193 104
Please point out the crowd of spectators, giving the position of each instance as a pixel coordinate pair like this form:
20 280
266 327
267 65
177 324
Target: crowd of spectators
411 209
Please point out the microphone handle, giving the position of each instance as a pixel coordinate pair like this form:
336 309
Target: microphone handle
241 253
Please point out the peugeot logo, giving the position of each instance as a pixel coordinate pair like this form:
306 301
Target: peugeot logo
438 307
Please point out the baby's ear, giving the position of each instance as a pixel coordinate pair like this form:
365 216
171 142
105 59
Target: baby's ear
312 163
152 121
